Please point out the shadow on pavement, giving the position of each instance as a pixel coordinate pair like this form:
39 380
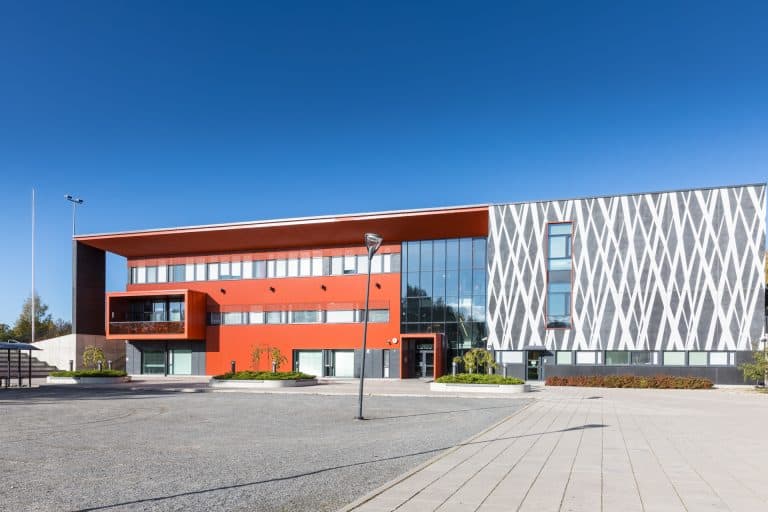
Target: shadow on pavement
333 468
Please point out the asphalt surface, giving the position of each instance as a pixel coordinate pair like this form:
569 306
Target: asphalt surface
77 449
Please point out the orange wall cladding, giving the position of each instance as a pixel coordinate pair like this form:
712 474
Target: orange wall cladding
225 343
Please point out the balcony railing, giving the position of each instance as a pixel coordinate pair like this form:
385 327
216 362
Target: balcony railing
146 327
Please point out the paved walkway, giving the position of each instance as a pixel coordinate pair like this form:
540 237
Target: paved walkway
587 449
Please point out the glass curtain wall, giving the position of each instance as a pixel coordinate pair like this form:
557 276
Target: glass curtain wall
443 290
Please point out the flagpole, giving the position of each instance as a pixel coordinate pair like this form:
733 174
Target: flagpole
33 311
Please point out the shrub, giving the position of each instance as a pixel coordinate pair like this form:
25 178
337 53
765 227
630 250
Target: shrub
757 370
631 381
92 355
89 373
252 375
478 358
477 378
275 357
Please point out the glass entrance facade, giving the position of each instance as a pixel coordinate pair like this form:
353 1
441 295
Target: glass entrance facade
443 290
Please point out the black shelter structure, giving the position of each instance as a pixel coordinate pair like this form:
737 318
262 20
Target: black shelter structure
18 346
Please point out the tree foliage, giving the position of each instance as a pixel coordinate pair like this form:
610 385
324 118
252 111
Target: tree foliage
478 358
92 355
273 355
757 370
45 326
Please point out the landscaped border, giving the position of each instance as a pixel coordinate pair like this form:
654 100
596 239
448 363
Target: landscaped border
88 377
479 383
631 381
255 380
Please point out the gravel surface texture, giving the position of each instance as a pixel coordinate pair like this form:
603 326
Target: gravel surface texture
80 449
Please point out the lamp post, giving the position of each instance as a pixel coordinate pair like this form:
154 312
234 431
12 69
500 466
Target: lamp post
372 243
75 201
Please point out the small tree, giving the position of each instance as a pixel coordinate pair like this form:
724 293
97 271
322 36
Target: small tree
276 358
92 356
256 352
478 358
757 369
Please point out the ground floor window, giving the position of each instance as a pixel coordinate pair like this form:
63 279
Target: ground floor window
673 358
617 357
564 357
309 361
153 362
325 363
697 359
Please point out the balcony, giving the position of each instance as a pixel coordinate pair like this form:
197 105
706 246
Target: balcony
146 328
156 315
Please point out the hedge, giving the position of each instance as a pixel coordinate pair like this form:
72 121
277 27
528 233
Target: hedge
89 373
477 378
631 381
251 375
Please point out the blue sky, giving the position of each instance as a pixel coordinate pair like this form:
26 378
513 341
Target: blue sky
174 113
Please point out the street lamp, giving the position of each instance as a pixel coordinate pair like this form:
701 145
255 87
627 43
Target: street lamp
372 243
75 201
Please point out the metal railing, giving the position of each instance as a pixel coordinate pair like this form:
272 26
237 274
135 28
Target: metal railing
146 327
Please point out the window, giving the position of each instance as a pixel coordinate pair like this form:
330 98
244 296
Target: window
293 267
305 267
586 357
374 315
641 358
176 311
350 266
559 275
376 264
256 317
259 269
224 270
213 271
271 268
235 318
189 272
162 274
343 316
200 272
617 357
718 358
674 359
512 357
214 318
362 264
306 317
564 357
337 265
141 275
178 273
274 317
317 266
247 270
281 268
134 277
151 274
697 359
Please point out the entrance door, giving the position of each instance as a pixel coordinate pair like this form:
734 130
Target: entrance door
180 361
310 361
153 362
425 363
533 366
343 363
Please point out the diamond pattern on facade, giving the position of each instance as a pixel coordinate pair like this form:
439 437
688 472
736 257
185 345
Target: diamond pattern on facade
663 271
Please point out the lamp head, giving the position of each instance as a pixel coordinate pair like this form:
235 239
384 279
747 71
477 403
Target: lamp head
373 242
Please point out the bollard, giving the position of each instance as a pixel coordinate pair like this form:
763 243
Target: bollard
232 366
100 365
109 364
71 365
453 369
504 369
274 366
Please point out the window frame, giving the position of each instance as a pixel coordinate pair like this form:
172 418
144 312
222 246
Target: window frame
547 270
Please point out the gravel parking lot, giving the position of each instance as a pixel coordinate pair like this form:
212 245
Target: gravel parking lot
75 449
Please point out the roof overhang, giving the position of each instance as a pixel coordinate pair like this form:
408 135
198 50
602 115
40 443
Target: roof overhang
301 233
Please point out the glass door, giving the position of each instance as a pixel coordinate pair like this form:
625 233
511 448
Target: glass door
426 363
310 362
534 361
153 362
180 361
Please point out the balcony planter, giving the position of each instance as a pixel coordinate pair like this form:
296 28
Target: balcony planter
262 380
88 377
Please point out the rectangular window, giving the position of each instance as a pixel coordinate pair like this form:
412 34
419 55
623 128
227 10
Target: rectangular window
214 318
674 359
512 357
162 274
305 267
141 275
224 270
641 358
132 275
559 275
343 316
213 271
256 317
259 269
374 315
362 264
350 265
317 266
586 358
387 263
247 270
697 359
274 317
718 358
337 265
200 272
617 357
281 268
232 318
178 273
151 274
189 272
376 264
293 267
305 317
564 357
270 268
176 311
235 270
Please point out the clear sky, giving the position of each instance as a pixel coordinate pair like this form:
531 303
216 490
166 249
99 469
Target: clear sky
165 113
